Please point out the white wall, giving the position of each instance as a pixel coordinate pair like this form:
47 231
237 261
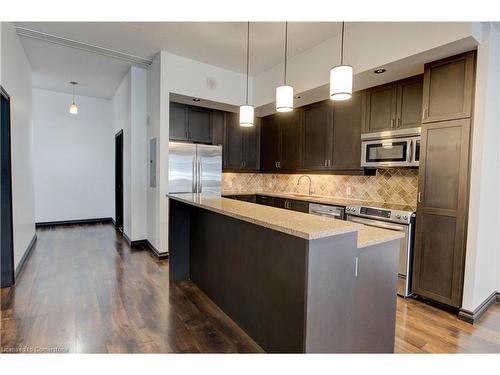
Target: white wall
130 115
121 104
482 270
73 157
368 45
170 73
16 79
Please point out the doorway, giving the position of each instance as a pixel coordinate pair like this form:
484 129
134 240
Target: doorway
119 180
6 221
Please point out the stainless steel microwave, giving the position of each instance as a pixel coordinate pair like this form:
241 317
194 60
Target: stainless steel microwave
396 148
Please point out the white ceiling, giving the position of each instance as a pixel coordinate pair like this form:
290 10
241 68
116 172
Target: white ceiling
217 43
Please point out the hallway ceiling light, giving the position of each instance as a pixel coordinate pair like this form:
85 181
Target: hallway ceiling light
341 77
73 108
247 111
284 94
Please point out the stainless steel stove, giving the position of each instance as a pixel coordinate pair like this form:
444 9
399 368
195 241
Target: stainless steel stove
401 221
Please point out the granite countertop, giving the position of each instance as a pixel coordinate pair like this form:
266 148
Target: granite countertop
298 224
326 200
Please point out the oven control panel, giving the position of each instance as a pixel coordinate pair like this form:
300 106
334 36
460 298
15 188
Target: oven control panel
381 214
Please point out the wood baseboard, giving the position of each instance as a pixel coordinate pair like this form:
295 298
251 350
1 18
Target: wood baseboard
100 220
473 316
145 243
27 253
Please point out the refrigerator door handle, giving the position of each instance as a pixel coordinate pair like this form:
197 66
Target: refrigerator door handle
200 175
195 177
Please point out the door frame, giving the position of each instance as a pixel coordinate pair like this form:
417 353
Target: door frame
8 279
119 192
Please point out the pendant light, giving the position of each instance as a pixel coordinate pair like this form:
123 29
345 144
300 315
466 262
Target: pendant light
73 109
341 77
247 111
284 94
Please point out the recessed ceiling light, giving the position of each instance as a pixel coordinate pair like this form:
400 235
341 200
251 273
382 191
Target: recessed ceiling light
196 99
379 71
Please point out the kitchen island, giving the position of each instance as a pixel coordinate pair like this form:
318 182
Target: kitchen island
294 282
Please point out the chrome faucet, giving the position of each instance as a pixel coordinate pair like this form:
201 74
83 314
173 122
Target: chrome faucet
311 191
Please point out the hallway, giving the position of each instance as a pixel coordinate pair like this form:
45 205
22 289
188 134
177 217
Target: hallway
84 290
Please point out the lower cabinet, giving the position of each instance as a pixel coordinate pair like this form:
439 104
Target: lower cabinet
288 204
439 256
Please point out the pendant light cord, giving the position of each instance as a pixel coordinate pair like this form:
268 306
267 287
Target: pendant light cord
342 47
248 55
286 49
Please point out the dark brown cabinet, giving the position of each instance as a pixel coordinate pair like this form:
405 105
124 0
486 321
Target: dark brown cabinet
178 128
441 213
380 107
347 126
280 142
188 123
448 88
393 106
241 152
317 135
218 127
270 143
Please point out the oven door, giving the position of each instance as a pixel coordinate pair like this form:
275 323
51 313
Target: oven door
405 250
387 153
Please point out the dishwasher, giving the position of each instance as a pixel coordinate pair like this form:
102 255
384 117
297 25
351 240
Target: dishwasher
334 212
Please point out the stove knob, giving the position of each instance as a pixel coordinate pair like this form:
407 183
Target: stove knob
405 217
398 216
348 209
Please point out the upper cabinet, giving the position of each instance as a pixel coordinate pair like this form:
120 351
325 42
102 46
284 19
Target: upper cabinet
347 125
393 106
188 123
240 151
448 88
317 135
380 107
280 142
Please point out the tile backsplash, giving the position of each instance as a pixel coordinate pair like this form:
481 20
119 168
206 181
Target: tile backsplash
388 185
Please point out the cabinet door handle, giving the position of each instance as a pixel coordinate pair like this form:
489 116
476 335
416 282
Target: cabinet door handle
399 122
419 197
356 262
392 122
279 164
326 162
424 114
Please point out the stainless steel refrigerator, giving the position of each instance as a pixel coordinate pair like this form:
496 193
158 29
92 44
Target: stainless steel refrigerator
194 168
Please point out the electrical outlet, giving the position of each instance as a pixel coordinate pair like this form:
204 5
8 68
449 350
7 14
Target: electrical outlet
348 191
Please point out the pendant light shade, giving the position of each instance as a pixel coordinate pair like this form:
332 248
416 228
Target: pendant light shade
284 93
341 82
247 111
284 98
73 108
246 115
341 77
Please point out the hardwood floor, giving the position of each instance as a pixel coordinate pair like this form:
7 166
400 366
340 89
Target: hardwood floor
85 290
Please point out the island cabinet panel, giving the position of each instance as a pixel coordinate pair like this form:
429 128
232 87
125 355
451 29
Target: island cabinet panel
448 88
317 135
347 126
270 143
442 211
288 293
